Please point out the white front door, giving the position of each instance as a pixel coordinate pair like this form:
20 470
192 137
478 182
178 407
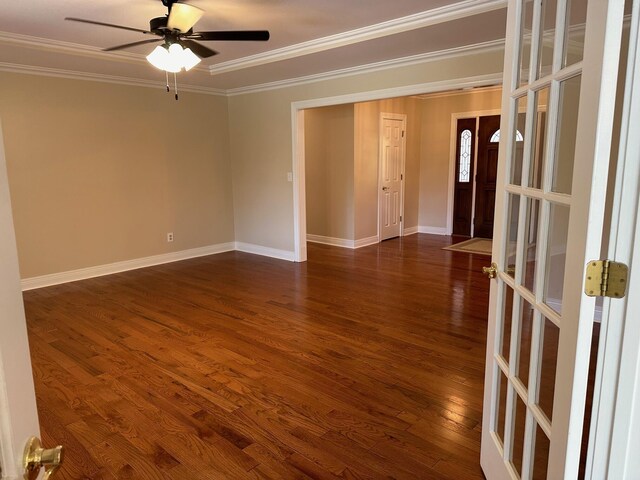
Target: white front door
18 413
390 199
540 320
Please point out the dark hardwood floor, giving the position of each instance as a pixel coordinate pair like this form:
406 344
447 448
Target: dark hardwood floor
355 364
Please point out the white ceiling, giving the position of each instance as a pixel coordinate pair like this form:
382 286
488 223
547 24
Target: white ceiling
308 37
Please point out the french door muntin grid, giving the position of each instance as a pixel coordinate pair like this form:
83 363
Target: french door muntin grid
529 394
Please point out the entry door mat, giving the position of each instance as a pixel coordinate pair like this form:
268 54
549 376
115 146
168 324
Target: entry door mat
481 246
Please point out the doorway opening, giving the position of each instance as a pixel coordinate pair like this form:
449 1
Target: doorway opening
432 223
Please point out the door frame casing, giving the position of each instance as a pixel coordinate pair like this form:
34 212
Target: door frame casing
615 428
392 116
453 162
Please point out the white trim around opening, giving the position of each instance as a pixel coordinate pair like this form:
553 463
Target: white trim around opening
297 135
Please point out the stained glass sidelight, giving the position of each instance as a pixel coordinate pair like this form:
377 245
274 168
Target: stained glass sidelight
464 162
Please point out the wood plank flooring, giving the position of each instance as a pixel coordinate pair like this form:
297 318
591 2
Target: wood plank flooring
360 364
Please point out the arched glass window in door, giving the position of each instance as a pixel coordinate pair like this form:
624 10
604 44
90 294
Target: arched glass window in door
464 161
495 138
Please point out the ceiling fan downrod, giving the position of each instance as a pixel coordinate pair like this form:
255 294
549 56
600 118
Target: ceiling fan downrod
168 4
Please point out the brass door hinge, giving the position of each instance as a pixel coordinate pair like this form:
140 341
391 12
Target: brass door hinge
606 279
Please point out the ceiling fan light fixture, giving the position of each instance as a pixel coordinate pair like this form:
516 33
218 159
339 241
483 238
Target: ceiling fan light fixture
161 58
173 58
179 58
183 17
189 59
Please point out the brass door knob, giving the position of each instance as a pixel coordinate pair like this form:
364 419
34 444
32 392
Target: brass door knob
491 271
385 188
36 457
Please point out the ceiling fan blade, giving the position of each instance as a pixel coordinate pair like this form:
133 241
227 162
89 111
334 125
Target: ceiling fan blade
129 45
232 35
198 49
183 16
121 27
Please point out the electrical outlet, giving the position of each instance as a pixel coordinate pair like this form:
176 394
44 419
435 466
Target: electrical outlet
170 237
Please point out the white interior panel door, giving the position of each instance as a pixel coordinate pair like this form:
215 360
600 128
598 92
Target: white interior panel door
390 198
561 58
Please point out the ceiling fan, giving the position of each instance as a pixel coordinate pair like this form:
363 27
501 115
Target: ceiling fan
179 49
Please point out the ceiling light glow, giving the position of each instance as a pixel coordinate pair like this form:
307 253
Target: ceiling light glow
173 58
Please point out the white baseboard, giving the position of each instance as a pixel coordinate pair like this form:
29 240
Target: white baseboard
100 270
410 231
433 230
334 241
342 242
265 251
364 242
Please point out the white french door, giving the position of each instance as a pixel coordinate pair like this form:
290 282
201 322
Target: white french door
561 57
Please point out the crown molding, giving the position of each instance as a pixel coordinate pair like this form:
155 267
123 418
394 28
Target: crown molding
484 47
402 91
434 16
462 91
47 44
97 77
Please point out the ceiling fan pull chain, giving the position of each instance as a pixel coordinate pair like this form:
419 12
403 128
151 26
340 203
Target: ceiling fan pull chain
167 75
175 84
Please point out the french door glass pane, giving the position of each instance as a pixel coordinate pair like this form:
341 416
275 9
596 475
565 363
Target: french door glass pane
556 255
530 242
547 37
541 455
574 42
506 322
512 233
548 363
518 434
501 410
525 41
539 135
566 135
518 144
526 331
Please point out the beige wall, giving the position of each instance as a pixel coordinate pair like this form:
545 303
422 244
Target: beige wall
99 173
261 139
329 168
97 176
436 148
